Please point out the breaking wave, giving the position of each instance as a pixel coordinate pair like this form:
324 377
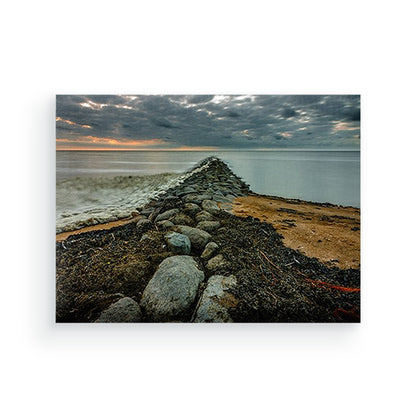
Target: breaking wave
85 201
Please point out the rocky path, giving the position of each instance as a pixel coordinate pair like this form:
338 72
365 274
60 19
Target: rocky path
186 259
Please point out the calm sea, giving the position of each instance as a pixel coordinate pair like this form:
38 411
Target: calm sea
321 176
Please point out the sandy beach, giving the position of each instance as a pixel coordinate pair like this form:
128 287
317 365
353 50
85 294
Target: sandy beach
328 232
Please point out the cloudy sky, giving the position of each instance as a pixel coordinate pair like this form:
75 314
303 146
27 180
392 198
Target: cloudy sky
207 122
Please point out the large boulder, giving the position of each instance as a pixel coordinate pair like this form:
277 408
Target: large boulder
216 300
124 310
172 289
199 238
178 243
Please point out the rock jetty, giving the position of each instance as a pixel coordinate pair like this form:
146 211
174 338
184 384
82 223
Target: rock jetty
185 258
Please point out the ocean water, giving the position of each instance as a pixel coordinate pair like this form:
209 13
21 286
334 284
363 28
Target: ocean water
94 186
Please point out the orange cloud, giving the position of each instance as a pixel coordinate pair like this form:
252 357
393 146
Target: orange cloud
85 126
344 126
111 141
196 148
107 143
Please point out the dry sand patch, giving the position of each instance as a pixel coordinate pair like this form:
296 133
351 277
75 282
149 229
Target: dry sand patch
328 232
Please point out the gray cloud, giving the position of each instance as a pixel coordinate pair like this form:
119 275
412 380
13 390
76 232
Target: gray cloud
263 121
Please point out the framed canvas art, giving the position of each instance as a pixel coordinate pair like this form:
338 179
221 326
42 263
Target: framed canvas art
207 208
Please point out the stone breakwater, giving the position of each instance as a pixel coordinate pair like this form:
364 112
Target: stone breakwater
186 214
185 258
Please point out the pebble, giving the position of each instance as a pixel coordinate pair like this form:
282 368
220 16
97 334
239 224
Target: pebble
145 237
216 263
210 249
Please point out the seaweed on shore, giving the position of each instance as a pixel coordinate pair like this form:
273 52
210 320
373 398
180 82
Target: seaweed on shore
275 283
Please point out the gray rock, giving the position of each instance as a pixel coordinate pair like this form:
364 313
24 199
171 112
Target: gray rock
191 208
216 300
203 216
196 198
208 226
172 289
216 263
178 243
199 238
182 219
203 197
226 206
188 189
218 198
165 224
146 212
124 310
190 198
167 215
231 197
210 249
210 206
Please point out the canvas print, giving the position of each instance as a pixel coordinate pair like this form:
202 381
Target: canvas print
207 208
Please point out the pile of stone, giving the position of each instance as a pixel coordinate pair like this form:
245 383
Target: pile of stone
187 215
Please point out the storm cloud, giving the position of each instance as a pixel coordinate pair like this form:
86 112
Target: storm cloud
207 121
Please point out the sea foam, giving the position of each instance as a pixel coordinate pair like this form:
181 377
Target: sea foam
85 201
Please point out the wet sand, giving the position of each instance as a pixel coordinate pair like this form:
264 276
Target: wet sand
329 233
106 226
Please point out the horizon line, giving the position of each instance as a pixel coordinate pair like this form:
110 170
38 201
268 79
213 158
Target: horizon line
214 150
